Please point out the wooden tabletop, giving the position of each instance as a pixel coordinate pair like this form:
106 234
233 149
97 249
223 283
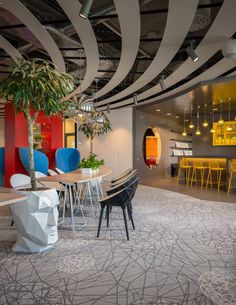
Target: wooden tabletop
8 196
76 176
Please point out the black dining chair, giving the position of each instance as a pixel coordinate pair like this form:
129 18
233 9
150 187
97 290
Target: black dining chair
121 198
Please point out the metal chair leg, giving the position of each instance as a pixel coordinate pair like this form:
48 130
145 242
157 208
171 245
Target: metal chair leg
100 221
126 223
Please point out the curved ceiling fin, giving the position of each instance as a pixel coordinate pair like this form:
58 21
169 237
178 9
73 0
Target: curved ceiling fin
179 20
32 23
130 34
9 49
221 29
88 40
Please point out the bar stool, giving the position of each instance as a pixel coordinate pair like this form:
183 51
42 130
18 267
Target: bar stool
215 167
232 172
198 169
184 165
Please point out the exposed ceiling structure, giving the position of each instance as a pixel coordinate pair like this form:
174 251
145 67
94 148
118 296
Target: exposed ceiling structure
125 47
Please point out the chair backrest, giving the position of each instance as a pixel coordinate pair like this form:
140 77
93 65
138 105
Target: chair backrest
67 159
122 175
123 184
52 172
40 160
39 175
183 162
20 181
233 165
197 163
124 179
122 197
214 164
59 171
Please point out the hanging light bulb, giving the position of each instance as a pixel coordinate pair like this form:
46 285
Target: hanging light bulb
191 126
198 132
213 129
205 123
184 133
229 128
221 121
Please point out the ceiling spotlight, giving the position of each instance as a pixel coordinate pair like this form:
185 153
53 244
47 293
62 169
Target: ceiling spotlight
85 9
168 113
191 126
191 52
162 82
177 116
135 98
158 110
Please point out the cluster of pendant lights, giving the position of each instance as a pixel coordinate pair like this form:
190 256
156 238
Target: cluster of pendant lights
205 122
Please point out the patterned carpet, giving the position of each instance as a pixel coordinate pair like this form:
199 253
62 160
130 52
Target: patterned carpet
182 252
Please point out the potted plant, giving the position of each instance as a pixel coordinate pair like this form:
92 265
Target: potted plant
34 86
89 164
38 138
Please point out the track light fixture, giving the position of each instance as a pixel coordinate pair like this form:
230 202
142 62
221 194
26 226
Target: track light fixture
135 98
191 52
162 82
85 8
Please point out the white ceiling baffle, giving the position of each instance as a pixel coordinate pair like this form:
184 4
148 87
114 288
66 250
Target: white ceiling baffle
9 48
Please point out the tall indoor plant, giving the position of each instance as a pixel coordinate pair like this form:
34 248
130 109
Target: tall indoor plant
35 85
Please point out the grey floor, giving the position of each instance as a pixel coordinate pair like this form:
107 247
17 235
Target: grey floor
183 252
170 183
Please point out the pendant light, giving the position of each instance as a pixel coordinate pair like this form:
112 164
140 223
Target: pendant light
191 126
205 123
221 121
198 132
184 133
229 128
213 129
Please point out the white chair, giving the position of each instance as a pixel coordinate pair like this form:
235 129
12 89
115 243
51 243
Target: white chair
18 181
58 186
52 172
59 171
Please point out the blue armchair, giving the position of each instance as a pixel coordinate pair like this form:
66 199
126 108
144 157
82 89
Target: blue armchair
67 159
40 160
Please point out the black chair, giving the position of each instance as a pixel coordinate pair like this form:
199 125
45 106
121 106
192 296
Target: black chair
123 179
121 198
121 176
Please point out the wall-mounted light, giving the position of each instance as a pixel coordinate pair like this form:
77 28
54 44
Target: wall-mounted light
85 8
198 132
162 82
191 52
191 126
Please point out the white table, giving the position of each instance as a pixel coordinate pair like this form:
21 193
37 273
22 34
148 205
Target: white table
76 178
8 196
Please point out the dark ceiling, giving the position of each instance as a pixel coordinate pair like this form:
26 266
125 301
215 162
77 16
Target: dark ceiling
105 22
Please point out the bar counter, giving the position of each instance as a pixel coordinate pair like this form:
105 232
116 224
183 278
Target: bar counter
224 162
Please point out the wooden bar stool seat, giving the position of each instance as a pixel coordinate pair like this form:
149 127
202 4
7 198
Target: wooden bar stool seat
214 167
232 172
186 168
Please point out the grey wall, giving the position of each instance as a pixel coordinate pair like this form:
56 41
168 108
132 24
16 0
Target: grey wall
142 121
202 145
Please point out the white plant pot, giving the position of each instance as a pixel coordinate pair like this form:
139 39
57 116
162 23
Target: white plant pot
87 170
36 221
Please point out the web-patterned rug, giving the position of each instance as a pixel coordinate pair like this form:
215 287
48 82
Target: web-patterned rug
182 252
